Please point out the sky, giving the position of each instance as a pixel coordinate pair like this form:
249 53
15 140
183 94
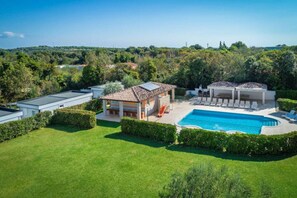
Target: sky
167 23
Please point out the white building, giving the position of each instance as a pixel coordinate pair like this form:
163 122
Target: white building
52 102
7 115
97 90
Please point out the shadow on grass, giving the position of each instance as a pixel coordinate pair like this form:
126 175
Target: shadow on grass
108 124
137 140
65 128
199 151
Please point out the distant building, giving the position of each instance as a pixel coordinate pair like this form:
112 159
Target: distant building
52 102
97 90
7 115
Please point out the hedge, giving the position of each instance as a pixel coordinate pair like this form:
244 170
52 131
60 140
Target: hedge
180 91
240 143
80 118
16 128
291 94
152 130
94 105
287 104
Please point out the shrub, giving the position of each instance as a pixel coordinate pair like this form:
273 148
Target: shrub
240 143
207 180
287 104
80 118
180 91
153 130
291 94
16 128
94 105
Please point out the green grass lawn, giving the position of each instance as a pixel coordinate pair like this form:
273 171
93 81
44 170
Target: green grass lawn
101 162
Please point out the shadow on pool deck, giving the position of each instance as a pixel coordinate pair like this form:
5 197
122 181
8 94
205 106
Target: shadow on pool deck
199 151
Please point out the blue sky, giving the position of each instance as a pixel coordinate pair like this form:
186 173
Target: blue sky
142 23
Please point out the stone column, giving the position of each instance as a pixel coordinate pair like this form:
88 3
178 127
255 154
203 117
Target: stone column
139 111
104 107
263 97
233 94
172 95
238 95
121 113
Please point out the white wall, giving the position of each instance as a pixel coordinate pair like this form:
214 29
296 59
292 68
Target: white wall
97 93
3 120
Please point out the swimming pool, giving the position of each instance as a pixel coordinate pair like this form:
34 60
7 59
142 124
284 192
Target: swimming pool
223 121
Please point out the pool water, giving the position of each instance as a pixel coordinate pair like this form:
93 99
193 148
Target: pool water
222 121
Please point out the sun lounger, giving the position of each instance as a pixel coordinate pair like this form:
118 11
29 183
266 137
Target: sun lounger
242 104
236 103
208 101
197 101
247 105
293 119
213 102
289 115
254 105
231 103
220 102
203 100
225 103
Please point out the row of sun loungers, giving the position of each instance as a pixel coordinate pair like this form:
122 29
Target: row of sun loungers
291 116
226 103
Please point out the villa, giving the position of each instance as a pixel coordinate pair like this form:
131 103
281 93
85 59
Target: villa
138 101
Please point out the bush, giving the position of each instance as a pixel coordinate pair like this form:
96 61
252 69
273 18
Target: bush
207 180
80 118
153 130
240 143
291 94
287 104
180 91
94 105
16 128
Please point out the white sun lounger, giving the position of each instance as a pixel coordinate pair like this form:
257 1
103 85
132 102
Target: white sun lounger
208 101
220 102
231 103
247 105
242 104
225 103
236 103
289 115
203 100
254 105
197 101
213 102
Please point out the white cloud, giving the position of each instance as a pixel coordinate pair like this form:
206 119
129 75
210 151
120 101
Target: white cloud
11 35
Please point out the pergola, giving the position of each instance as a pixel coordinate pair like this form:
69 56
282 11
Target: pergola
252 87
222 85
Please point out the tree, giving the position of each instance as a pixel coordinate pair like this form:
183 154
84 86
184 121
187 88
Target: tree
147 70
196 47
92 75
129 81
112 87
239 45
209 181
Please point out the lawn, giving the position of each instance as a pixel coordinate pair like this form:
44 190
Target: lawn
61 161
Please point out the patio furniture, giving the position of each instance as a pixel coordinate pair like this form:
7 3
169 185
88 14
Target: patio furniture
242 104
247 105
289 115
254 105
236 103
213 102
208 101
197 101
231 103
203 100
225 103
220 102
293 119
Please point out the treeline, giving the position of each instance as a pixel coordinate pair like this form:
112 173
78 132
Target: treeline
31 72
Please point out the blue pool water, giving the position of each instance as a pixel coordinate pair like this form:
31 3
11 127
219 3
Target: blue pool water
222 121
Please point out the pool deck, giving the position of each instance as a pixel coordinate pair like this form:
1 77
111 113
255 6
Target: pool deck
182 108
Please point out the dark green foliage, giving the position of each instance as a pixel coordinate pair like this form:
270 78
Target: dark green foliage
75 117
287 104
290 94
153 130
240 143
208 181
180 91
16 128
94 105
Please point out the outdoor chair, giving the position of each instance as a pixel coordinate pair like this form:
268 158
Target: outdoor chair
225 103
231 103
247 105
220 102
208 101
242 104
213 102
236 103
289 115
254 105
